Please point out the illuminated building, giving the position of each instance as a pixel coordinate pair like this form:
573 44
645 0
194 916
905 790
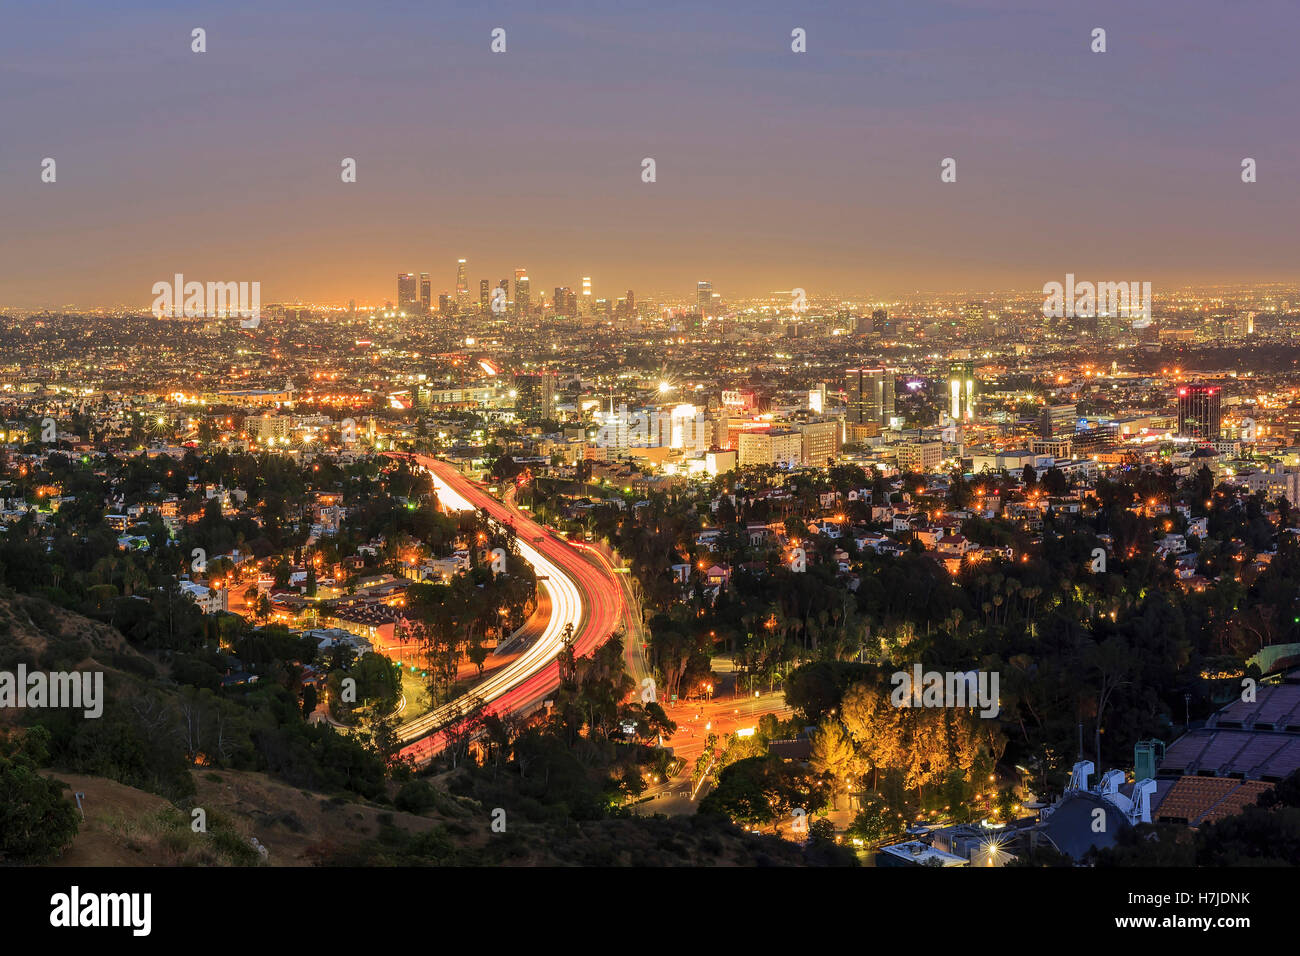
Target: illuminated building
870 395
961 391
1199 412
704 298
523 296
919 455
407 296
566 302
462 287
426 292
588 302
817 399
1057 421
484 295
820 442
534 395
782 448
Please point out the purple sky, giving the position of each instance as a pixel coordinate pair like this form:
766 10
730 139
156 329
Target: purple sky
775 169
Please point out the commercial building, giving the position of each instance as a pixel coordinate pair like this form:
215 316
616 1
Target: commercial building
1057 421
919 455
870 393
407 293
534 395
820 442
782 448
961 391
1199 412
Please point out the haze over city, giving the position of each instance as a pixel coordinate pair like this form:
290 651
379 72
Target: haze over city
774 170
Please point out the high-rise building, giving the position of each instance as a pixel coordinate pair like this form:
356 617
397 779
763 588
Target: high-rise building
976 315
523 305
407 293
820 442
566 303
484 295
534 395
817 398
462 287
961 391
1199 412
444 304
781 447
587 305
870 395
426 293
1057 421
703 298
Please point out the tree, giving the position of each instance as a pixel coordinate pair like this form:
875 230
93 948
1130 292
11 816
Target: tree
36 823
832 752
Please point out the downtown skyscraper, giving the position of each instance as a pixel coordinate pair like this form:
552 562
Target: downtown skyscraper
523 295
407 291
462 286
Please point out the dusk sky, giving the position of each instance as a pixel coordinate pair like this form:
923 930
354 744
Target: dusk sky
775 169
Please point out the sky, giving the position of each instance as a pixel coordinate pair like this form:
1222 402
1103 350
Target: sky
775 169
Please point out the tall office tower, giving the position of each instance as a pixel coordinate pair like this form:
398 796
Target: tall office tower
505 287
631 303
534 394
1057 421
484 295
588 302
703 297
462 287
407 297
523 303
352 307
870 394
1199 412
444 304
817 398
566 303
976 315
961 391
426 293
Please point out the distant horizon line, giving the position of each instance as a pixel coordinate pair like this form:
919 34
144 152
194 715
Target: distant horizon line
855 298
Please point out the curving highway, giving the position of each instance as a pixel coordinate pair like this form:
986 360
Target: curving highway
581 593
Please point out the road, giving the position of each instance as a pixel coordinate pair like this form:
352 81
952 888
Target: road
634 655
581 593
695 721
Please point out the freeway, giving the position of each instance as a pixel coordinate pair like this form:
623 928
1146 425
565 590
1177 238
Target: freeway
581 593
